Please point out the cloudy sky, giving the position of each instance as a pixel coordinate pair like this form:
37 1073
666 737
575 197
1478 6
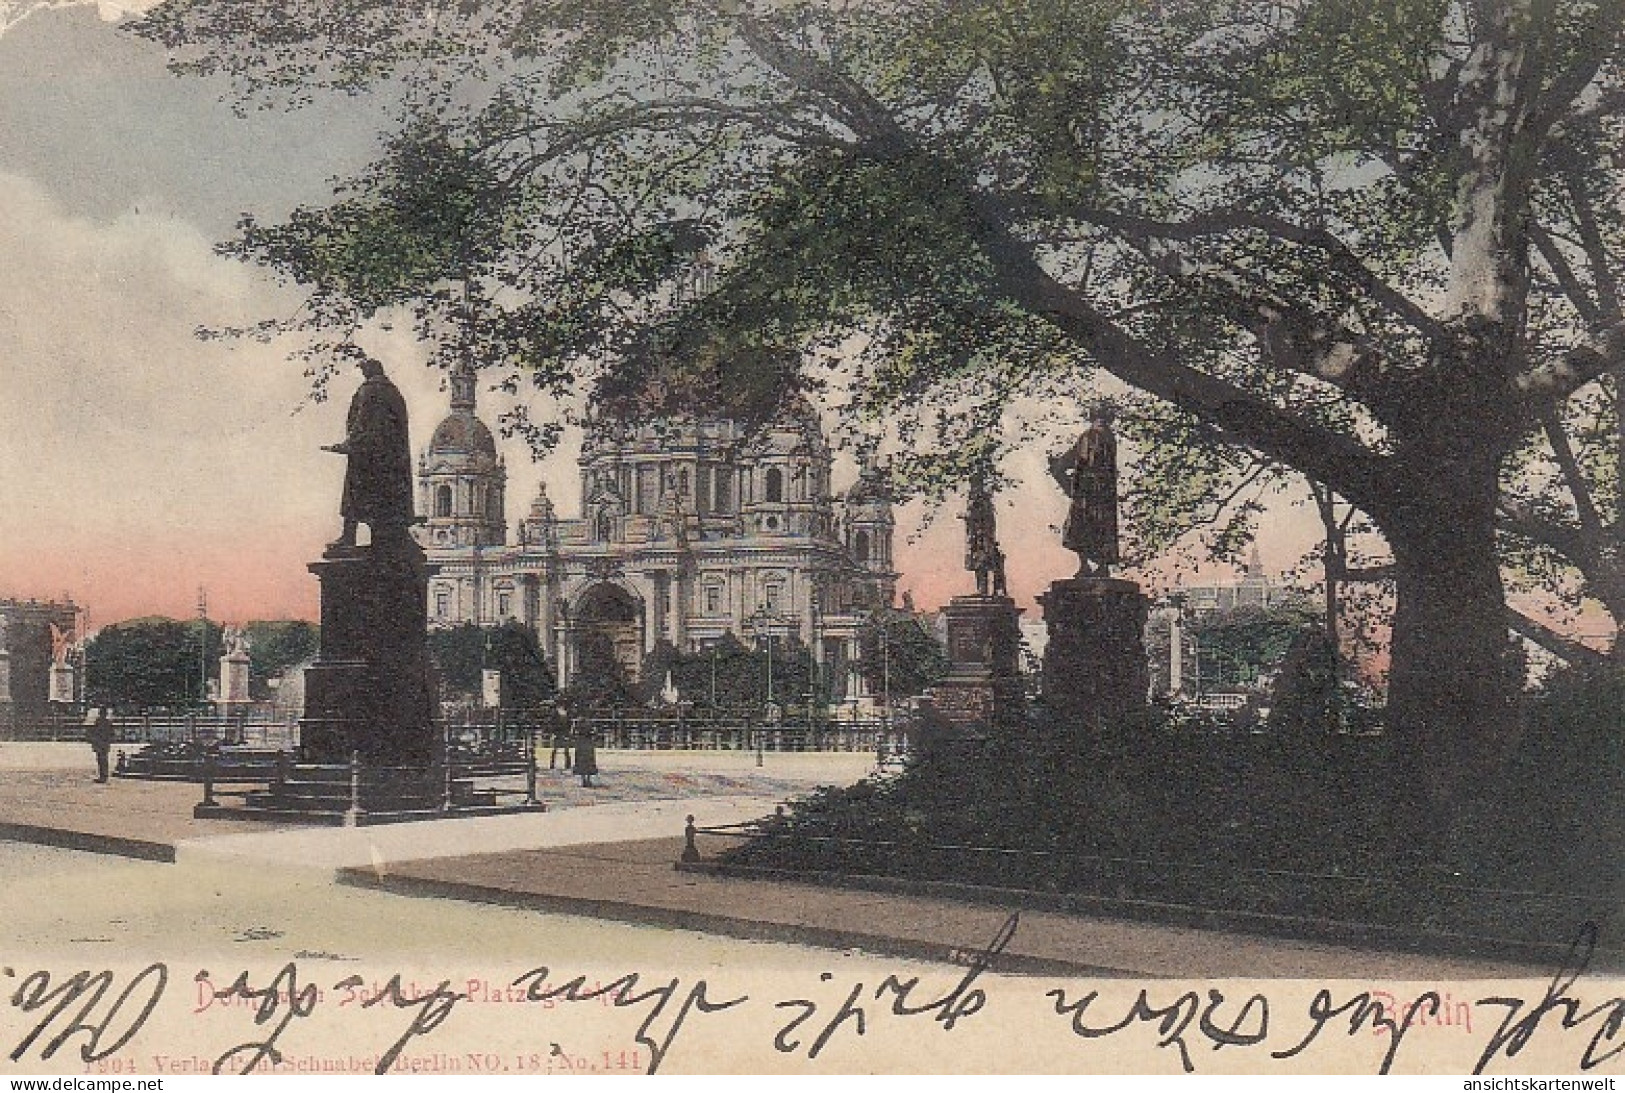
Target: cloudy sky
138 463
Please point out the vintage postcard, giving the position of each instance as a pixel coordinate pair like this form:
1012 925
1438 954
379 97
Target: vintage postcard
548 537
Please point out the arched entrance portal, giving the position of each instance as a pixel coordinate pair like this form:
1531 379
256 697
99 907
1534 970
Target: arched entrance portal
608 619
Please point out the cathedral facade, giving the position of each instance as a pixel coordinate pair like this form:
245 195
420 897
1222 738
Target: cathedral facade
691 528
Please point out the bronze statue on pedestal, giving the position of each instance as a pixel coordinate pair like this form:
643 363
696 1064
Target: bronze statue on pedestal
982 554
1088 473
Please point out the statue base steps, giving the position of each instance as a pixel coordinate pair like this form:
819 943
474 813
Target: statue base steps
338 795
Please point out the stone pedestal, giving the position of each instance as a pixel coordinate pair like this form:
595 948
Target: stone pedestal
234 680
368 689
983 684
1095 670
61 689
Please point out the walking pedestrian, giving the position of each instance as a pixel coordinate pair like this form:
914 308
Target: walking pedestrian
99 731
586 755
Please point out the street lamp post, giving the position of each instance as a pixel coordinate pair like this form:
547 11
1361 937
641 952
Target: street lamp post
885 676
203 647
764 620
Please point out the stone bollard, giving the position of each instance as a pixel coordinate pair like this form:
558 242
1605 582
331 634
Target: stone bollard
352 815
530 768
208 778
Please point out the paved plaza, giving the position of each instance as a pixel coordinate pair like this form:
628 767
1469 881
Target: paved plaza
609 853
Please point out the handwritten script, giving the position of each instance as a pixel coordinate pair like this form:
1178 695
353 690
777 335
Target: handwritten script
96 1014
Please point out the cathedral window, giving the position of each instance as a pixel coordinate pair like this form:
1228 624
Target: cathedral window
504 604
648 490
773 597
713 599
442 501
605 526
860 546
493 505
442 603
724 494
774 485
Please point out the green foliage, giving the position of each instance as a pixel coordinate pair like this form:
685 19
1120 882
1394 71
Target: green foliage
276 646
1278 823
151 663
737 675
1307 696
1236 647
599 681
899 654
462 653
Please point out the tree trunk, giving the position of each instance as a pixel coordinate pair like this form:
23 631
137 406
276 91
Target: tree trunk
1453 679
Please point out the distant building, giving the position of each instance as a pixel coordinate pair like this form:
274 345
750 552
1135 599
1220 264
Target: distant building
34 634
1184 666
1253 589
692 527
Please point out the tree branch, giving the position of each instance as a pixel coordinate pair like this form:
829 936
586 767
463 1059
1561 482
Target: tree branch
1573 478
1602 270
1546 386
1564 272
1603 38
1575 653
1226 221
1582 550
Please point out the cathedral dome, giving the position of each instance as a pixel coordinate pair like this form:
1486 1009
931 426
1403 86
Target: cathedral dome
461 433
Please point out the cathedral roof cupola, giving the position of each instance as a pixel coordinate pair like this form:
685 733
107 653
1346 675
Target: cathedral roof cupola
461 432
461 477
873 485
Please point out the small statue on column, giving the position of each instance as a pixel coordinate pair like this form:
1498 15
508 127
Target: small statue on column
982 554
1088 473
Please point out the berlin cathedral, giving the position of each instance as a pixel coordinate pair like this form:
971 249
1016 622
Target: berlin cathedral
692 527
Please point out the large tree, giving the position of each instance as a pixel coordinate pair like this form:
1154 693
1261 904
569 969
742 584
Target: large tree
462 654
1369 240
152 663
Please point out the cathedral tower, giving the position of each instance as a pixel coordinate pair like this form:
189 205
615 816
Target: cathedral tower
461 479
868 526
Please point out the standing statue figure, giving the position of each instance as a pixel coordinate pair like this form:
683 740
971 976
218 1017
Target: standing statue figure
61 645
982 554
671 518
378 475
1088 472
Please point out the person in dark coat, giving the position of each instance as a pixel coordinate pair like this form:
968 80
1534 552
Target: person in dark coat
99 731
561 738
586 755
378 471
